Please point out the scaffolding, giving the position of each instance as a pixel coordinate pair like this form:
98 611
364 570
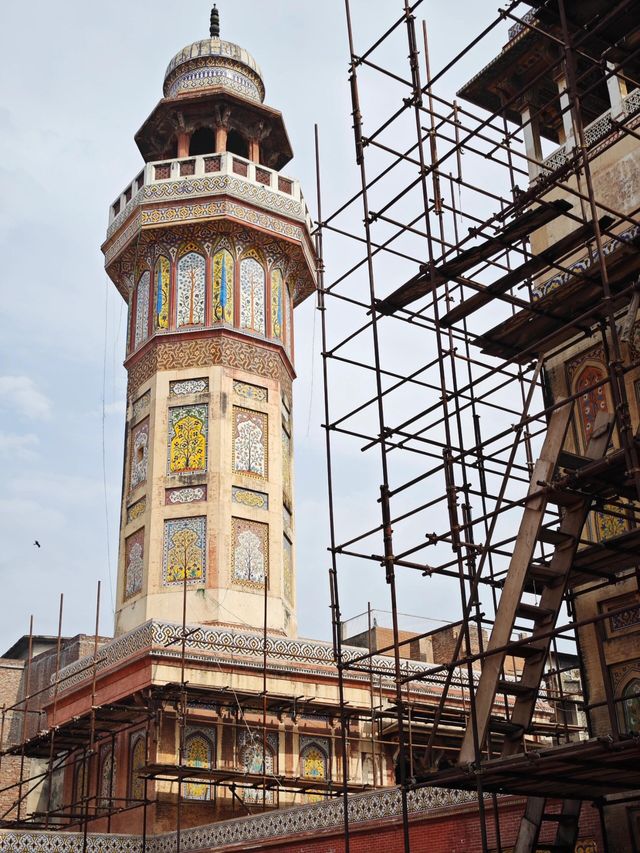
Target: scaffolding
438 350
439 342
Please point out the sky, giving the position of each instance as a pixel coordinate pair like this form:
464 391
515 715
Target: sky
80 78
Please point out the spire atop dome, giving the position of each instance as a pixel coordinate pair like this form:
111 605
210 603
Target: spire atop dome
214 23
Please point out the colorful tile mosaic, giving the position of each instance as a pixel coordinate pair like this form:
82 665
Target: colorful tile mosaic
183 387
108 776
298 655
287 569
583 264
204 78
593 401
161 299
125 238
186 495
136 510
134 564
285 408
609 522
199 751
139 457
250 442
249 552
187 439
288 319
141 331
276 304
223 267
191 290
286 466
251 392
247 831
314 758
184 551
251 754
140 405
588 369
168 355
252 286
625 619
248 497
137 760
631 705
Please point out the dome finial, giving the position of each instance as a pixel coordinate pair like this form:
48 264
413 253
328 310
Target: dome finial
214 28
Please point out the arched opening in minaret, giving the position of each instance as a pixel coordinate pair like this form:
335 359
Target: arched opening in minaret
237 144
203 141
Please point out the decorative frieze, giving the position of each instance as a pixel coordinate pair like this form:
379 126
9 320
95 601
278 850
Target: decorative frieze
249 830
183 387
249 497
186 495
250 392
140 405
287 569
136 510
244 355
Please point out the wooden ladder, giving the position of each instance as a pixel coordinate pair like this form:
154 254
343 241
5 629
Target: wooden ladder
550 578
566 820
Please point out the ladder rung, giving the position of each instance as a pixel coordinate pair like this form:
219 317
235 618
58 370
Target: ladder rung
544 574
533 612
559 817
572 461
515 688
505 727
523 650
559 497
554 537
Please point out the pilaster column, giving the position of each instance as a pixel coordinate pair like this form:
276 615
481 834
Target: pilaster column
183 144
565 106
531 133
617 88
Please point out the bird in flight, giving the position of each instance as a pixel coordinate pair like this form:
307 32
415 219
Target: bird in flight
37 543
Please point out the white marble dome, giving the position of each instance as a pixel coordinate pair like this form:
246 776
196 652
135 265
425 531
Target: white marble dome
214 63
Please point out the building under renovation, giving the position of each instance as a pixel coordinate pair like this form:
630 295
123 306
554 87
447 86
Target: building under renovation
488 332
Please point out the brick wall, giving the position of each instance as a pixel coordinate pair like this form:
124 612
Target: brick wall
449 831
11 672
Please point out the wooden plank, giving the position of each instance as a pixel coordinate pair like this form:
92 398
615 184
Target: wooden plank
515 580
567 833
538 262
553 595
530 825
423 283
548 315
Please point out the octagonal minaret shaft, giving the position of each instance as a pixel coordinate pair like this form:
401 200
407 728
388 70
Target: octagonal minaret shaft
210 247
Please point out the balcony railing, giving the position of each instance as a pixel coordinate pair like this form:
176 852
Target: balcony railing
202 166
604 126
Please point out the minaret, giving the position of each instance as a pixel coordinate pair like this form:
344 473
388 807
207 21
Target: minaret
210 247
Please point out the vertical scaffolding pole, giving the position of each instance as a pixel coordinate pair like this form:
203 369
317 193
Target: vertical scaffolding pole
333 572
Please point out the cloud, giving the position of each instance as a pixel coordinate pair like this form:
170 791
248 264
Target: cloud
21 394
18 446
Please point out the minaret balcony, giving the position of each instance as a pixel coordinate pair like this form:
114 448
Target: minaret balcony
211 174
603 130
